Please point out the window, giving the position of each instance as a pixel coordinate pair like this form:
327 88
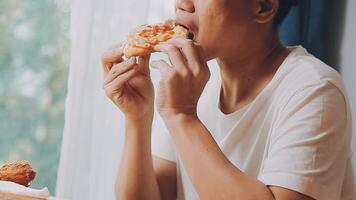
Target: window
34 58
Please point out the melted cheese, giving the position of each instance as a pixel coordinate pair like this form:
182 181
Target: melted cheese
147 36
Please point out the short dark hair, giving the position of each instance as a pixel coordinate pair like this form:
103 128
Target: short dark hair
283 10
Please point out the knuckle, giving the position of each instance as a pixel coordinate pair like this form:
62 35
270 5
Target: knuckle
115 98
114 68
197 69
185 73
197 72
170 48
118 99
104 57
109 93
118 66
172 76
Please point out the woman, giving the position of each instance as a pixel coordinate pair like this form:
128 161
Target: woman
277 126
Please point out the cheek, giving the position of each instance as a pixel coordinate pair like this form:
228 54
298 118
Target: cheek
212 25
220 24
210 39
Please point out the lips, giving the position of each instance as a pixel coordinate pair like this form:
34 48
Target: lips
191 34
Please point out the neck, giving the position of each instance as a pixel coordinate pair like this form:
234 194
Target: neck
244 77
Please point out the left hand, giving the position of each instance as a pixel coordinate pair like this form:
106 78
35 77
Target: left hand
181 83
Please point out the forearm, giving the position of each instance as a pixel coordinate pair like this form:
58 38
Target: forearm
211 173
136 178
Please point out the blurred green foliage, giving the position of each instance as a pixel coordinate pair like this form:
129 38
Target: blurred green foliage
34 60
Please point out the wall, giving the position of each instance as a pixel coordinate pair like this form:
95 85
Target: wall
348 61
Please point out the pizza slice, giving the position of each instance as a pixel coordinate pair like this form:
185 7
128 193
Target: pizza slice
142 40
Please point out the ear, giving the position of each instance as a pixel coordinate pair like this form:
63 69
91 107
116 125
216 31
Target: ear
265 10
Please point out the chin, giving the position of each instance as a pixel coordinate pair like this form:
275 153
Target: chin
208 55
208 51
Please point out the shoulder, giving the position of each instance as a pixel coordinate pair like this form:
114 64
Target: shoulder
303 75
311 93
312 70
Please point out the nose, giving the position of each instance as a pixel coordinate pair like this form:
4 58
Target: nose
185 5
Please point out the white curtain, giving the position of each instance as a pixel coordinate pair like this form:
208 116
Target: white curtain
93 133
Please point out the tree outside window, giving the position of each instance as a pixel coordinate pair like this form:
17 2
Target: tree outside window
34 60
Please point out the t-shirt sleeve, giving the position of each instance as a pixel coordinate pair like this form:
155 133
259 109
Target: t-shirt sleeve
162 143
310 143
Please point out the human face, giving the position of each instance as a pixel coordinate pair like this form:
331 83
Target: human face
217 25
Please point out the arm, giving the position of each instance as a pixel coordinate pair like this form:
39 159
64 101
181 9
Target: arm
142 176
166 175
136 177
128 85
214 177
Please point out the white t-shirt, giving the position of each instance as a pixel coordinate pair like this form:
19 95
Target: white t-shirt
295 134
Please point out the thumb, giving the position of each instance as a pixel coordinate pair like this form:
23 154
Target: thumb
143 63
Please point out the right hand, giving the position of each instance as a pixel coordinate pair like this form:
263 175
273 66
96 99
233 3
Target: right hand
128 84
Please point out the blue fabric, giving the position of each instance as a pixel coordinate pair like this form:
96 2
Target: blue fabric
305 25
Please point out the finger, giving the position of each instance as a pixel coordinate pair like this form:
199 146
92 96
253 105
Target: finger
188 47
143 62
162 66
119 81
119 69
115 46
190 50
175 55
111 56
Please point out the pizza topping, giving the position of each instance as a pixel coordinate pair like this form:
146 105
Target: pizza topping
156 30
141 40
148 35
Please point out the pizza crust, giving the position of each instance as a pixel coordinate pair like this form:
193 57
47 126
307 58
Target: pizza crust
130 51
142 40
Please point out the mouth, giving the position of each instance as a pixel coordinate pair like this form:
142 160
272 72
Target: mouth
191 34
